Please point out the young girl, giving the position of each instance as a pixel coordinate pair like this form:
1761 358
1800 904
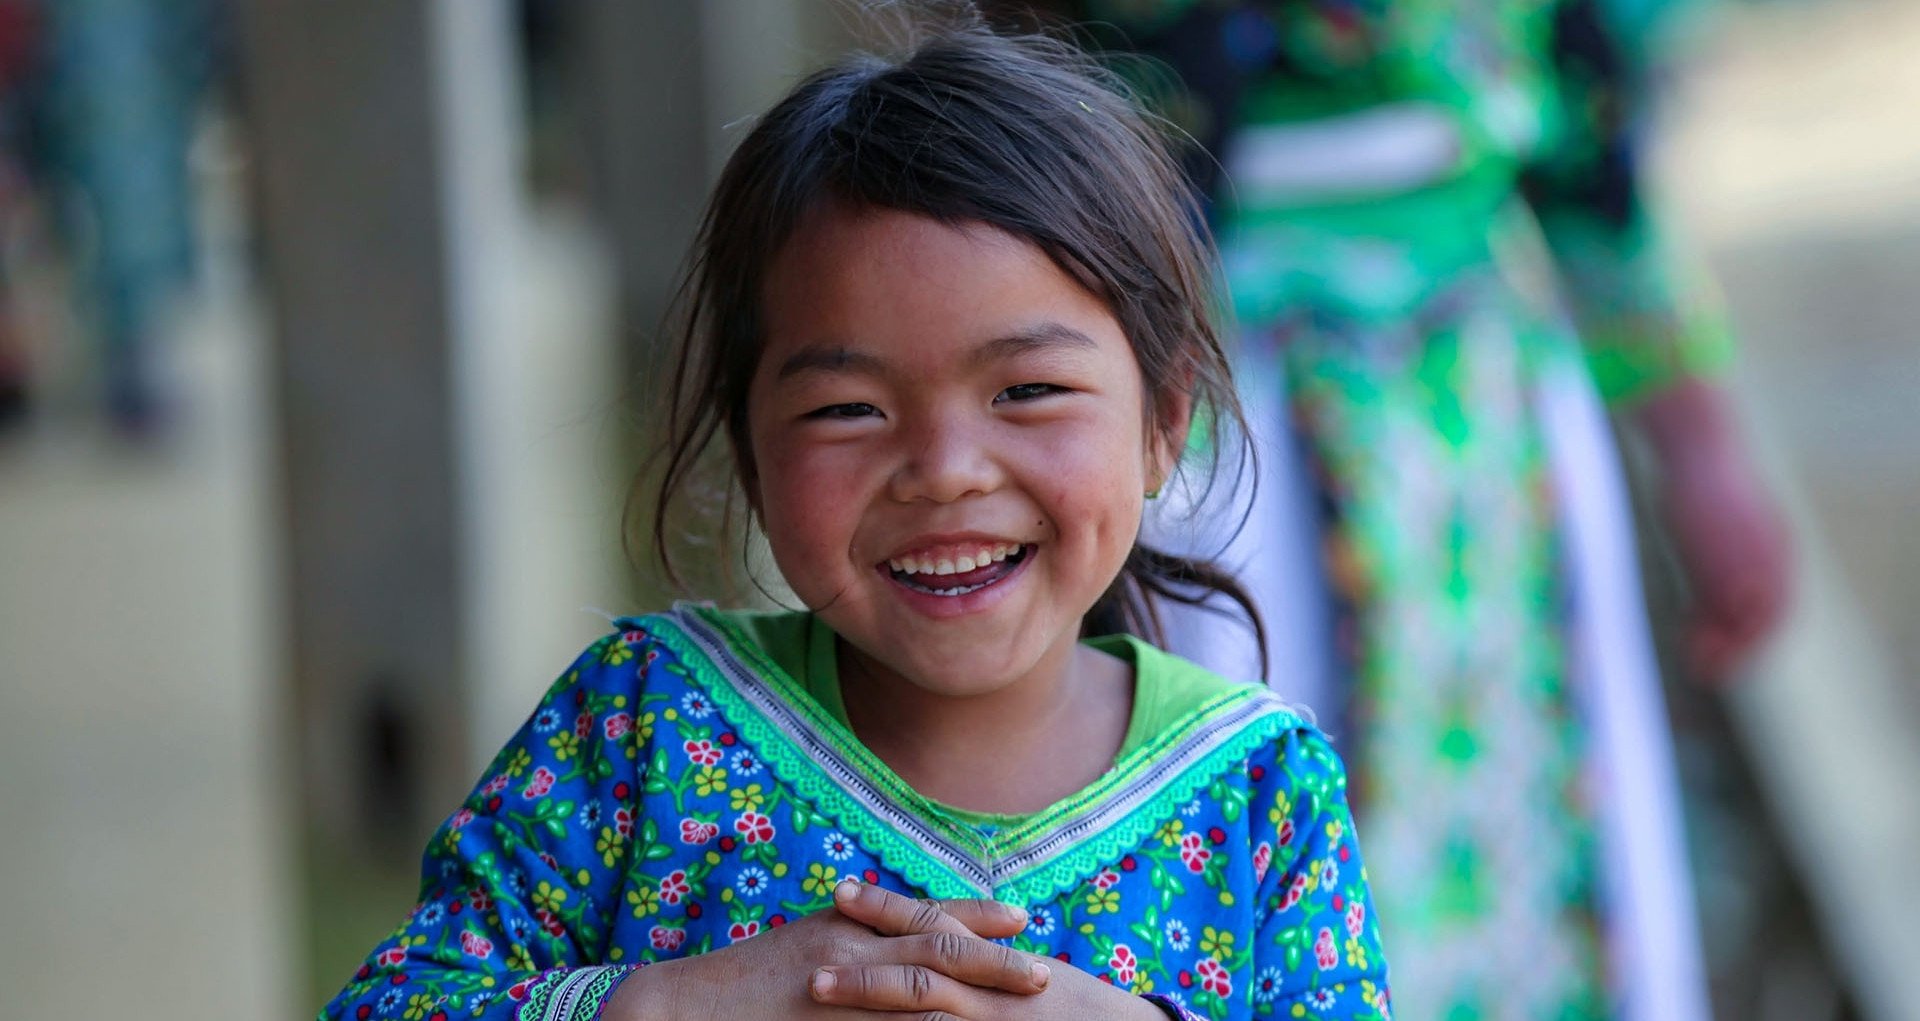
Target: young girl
951 316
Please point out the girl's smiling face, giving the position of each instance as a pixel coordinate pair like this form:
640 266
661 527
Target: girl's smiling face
933 398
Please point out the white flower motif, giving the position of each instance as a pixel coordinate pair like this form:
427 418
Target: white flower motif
696 705
745 763
837 846
1040 922
1266 985
752 881
1178 938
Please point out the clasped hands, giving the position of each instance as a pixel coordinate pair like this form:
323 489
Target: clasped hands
876 952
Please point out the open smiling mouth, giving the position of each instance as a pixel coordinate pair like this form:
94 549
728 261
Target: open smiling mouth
957 576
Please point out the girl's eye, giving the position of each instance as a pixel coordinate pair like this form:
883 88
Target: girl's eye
839 411
1028 392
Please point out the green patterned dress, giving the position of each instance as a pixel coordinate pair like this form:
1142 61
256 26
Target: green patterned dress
1389 169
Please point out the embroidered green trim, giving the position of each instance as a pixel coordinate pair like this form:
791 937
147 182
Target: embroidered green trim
1050 853
572 994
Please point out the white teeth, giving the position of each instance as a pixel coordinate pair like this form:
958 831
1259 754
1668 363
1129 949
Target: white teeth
911 565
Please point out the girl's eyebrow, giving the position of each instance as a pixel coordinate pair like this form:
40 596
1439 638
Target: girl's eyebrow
831 359
1038 337
1043 336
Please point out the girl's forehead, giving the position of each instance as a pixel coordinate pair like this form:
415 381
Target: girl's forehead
898 280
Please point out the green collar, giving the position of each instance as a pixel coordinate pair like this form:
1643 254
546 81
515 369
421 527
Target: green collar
745 661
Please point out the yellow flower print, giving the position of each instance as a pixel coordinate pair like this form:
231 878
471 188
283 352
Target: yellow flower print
711 780
1170 833
643 727
548 896
1335 830
1216 943
618 652
1313 875
746 799
519 762
565 745
820 878
1369 993
417 1006
609 844
1282 807
645 901
1099 901
1356 953
1142 984
518 959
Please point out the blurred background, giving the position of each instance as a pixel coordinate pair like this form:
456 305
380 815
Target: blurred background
319 327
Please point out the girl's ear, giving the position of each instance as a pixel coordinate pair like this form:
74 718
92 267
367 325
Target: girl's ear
1164 448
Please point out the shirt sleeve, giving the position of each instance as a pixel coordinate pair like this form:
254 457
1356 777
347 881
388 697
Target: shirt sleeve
1647 318
518 885
1317 943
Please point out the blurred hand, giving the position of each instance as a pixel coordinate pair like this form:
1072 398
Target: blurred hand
935 948
1730 537
934 992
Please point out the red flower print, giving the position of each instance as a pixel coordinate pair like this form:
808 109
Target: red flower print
1123 964
623 822
1192 854
1262 860
540 784
518 990
583 725
496 785
550 922
1356 918
460 818
664 938
1295 891
1286 832
1214 978
633 637
552 862
1106 879
703 753
618 726
741 930
481 900
754 828
391 957
674 887
652 654
476 945
1324 952
693 831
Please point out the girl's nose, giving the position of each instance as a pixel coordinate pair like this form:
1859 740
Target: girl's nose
944 462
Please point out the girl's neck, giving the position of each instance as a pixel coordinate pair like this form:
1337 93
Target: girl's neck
1016 750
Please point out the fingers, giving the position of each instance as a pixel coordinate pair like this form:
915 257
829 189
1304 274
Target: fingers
891 914
894 987
976 962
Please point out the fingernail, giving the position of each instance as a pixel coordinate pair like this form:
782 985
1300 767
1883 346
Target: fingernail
1014 911
1041 974
846 890
822 983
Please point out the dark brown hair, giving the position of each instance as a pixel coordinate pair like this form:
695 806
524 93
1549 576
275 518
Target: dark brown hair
1023 133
